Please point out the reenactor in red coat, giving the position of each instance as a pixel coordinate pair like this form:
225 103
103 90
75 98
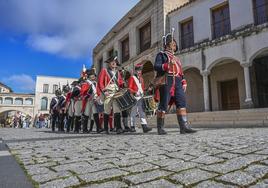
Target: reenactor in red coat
137 88
109 83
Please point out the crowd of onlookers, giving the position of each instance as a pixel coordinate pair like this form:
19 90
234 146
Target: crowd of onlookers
20 121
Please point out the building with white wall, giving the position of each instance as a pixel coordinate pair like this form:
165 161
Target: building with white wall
222 44
45 90
224 49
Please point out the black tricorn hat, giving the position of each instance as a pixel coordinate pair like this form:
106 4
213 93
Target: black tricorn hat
114 57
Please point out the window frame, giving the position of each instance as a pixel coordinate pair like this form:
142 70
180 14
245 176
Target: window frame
124 43
221 24
145 46
257 15
183 36
45 88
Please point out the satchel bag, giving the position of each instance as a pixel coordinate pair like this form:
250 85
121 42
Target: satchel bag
159 81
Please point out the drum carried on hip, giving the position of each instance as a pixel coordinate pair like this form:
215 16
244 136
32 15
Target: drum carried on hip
124 99
149 104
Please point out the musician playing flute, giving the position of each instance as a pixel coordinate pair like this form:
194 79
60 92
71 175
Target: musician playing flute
110 82
166 63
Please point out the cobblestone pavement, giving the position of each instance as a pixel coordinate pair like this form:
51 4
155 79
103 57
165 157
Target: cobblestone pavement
209 158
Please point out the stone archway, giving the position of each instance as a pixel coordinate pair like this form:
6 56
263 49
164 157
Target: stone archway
194 92
227 85
259 78
148 73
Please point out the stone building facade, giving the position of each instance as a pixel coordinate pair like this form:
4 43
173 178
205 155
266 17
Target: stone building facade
223 47
137 36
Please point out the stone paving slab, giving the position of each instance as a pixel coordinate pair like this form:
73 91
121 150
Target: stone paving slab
192 176
239 178
181 166
144 177
140 167
101 175
42 178
110 184
262 184
213 184
209 158
257 171
71 181
158 183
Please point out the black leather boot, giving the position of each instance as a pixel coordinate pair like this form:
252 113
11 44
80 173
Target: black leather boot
145 128
69 121
160 123
77 123
84 123
72 124
117 123
54 119
125 123
91 125
97 123
106 122
182 120
132 129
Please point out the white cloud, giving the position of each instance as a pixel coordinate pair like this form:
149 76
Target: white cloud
70 28
23 82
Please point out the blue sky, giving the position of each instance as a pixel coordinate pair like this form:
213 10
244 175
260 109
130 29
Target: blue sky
52 37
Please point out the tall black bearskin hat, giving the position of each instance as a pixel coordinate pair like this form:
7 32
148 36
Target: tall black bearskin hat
66 88
114 57
74 83
58 92
167 39
90 72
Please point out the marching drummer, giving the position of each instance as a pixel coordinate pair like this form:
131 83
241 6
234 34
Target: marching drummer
136 87
110 82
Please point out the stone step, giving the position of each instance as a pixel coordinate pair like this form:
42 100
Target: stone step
233 118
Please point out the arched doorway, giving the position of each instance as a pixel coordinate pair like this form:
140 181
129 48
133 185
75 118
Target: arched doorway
194 92
148 73
259 79
227 85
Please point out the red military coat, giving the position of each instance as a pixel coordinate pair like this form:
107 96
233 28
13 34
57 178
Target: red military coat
132 86
84 93
104 79
176 68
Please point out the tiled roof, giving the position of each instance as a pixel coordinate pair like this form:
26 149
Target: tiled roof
5 86
184 5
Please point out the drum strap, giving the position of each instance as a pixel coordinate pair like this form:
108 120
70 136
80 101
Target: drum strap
138 85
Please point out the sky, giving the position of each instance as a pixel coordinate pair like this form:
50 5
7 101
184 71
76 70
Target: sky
52 37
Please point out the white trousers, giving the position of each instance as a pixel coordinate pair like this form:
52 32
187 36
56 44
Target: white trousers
137 108
90 109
